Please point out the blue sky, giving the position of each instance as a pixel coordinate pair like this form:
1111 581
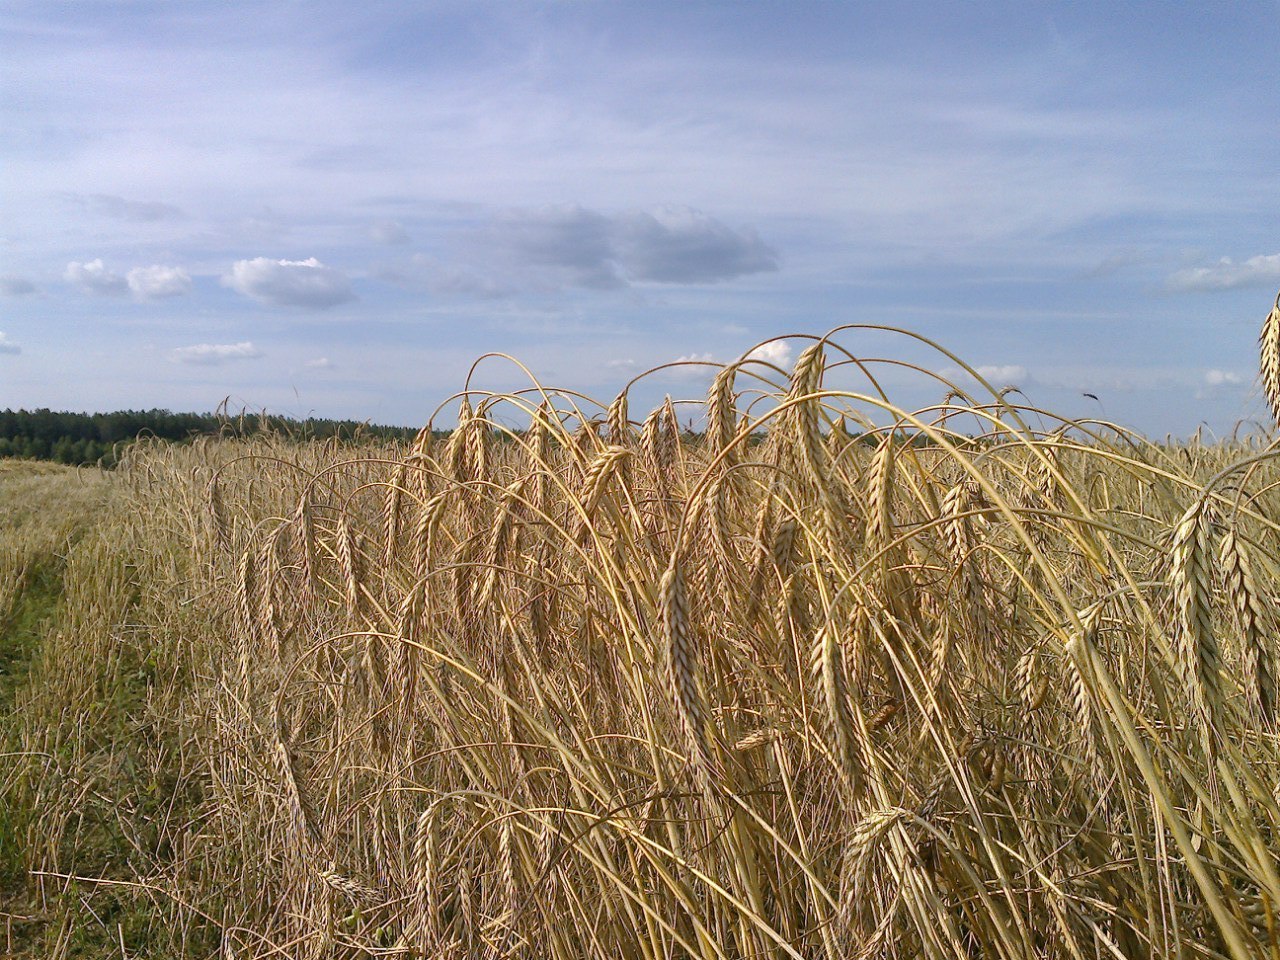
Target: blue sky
333 208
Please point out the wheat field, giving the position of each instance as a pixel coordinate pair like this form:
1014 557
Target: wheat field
820 678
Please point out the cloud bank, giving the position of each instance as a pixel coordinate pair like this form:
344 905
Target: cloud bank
208 354
1002 373
573 247
16 286
777 352
157 282
94 277
134 211
578 247
682 245
389 232
1226 274
295 283
1217 378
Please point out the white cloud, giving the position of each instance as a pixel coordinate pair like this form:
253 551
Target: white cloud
7 345
212 353
997 374
319 363
694 367
157 282
94 277
1227 274
777 352
16 286
1217 378
1000 374
300 283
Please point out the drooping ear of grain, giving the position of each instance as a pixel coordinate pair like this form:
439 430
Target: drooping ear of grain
1256 625
1269 350
425 866
599 474
305 539
218 513
722 417
619 425
880 476
806 380
682 670
422 442
391 511
828 667
1083 690
458 450
349 563
1199 654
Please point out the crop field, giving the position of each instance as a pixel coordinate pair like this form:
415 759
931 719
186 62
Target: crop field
820 677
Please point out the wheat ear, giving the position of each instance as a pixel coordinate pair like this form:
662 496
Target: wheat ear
682 666
1200 658
722 417
828 666
348 560
618 423
1260 669
1269 359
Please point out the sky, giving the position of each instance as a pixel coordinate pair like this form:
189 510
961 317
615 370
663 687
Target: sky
333 209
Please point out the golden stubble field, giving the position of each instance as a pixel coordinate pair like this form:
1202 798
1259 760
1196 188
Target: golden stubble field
974 682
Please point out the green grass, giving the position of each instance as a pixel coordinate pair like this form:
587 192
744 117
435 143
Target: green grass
33 613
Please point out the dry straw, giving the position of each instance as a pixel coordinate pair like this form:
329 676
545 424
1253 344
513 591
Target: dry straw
953 657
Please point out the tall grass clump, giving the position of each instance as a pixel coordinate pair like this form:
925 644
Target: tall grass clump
974 681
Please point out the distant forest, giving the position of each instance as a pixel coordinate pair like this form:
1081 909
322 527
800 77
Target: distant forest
93 438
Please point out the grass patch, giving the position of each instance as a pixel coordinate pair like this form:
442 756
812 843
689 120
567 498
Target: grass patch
32 613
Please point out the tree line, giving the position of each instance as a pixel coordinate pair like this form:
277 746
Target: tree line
100 438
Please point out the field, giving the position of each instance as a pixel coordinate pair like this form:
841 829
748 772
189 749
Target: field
820 678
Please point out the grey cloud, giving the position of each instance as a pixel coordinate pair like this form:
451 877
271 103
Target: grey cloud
561 247
299 283
93 277
16 286
427 273
576 247
571 246
680 245
389 232
136 211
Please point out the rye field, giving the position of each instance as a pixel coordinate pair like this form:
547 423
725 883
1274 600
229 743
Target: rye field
821 677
